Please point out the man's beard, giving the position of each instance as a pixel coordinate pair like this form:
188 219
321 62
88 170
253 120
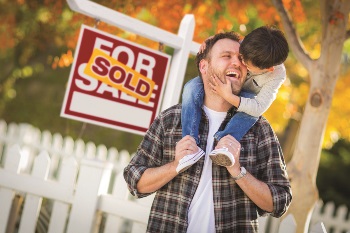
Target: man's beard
235 89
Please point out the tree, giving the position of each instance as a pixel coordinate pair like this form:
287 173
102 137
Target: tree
324 73
29 35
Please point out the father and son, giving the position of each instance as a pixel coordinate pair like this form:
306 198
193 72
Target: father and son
214 162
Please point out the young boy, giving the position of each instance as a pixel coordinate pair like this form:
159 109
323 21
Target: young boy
263 52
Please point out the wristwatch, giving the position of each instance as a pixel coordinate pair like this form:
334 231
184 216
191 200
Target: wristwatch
241 175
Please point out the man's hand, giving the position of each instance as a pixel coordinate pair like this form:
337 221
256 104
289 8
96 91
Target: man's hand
186 146
156 177
235 148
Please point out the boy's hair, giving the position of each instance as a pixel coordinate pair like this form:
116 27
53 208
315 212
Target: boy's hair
209 43
264 47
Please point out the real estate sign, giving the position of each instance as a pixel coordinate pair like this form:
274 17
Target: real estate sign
115 83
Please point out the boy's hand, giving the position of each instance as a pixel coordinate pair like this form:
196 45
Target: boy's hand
203 45
220 88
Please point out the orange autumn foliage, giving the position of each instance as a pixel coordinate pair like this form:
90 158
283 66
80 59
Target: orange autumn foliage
60 27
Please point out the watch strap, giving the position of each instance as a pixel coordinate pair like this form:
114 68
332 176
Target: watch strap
241 174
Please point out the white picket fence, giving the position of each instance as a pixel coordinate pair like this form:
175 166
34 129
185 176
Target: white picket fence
53 184
79 181
336 220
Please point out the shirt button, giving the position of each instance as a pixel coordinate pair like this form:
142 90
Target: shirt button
198 171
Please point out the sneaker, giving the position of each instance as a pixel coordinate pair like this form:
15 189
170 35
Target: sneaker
222 157
188 160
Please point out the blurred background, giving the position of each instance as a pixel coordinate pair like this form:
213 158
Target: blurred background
39 37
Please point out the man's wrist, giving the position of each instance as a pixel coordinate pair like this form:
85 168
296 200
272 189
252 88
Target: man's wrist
173 165
242 174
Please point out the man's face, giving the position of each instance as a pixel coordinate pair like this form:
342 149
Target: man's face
224 62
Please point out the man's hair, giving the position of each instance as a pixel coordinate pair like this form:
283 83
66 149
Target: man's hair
264 47
209 43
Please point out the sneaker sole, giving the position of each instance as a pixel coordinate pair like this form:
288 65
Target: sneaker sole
221 160
185 168
188 163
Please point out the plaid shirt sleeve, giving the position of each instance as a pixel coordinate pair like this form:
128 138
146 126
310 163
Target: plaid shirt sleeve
275 173
147 155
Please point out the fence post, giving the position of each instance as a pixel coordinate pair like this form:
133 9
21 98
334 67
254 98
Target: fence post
112 17
56 151
179 63
262 224
12 164
182 48
32 203
60 211
93 180
120 191
318 228
288 225
146 201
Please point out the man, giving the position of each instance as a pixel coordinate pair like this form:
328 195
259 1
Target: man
207 197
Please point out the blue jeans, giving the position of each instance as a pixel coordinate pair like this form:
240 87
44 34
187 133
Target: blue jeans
192 101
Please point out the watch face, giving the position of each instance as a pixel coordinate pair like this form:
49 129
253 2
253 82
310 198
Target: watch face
242 174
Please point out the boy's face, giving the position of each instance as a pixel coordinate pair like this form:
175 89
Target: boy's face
253 70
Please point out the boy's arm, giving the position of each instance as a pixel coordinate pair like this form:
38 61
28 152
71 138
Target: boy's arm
268 93
234 100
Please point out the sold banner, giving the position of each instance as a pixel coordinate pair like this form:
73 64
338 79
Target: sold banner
115 83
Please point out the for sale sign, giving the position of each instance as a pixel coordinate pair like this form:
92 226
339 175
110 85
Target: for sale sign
115 83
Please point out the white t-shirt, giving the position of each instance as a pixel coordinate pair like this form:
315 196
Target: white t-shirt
201 216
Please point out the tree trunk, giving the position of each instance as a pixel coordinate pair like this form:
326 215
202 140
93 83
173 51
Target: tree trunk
302 168
324 71
288 138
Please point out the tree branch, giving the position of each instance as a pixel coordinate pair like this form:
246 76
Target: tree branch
293 38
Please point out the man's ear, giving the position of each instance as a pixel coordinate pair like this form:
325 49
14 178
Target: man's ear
203 66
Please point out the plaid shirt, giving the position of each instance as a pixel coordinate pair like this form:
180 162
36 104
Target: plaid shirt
261 155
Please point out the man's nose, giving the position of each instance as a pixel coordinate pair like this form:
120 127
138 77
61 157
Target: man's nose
235 60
